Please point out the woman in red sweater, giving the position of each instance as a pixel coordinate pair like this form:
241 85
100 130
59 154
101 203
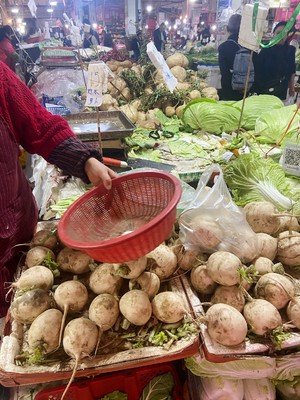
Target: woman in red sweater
23 121
8 53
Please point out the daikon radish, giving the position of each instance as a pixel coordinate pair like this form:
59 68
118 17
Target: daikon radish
261 316
104 279
80 340
149 282
225 324
35 277
135 306
71 297
44 331
168 307
231 295
28 306
162 261
74 261
223 268
275 288
201 281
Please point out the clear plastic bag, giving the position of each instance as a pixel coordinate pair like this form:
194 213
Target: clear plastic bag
214 222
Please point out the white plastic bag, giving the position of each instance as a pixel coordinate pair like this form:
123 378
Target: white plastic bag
215 223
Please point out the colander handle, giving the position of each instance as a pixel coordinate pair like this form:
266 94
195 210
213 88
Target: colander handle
113 162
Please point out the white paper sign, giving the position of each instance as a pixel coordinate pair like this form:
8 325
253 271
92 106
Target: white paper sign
32 7
160 63
98 73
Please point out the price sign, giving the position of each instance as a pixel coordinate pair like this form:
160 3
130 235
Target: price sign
98 73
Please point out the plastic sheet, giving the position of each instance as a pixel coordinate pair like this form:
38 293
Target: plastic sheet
61 82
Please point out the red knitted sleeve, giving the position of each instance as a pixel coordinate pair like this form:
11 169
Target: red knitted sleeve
37 130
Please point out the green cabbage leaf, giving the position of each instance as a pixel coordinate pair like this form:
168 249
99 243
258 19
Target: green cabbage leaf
253 178
211 116
271 126
256 106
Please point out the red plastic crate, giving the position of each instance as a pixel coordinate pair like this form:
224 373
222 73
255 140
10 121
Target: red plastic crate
132 382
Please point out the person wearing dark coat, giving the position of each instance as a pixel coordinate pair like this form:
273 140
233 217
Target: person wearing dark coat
160 37
275 68
227 51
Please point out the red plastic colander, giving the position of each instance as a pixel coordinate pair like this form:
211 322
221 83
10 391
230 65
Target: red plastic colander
123 223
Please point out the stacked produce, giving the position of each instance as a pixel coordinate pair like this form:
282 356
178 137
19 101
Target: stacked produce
70 305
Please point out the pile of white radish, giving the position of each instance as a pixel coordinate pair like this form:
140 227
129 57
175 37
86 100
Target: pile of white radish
261 296
74 311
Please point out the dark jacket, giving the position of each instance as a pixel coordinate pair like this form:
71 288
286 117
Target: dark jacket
157 38
227 52
274 67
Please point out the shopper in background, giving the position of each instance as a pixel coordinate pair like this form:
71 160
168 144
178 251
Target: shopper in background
107 39
92 31
275 67
227 51
160 37
8 53
136 42
89 40
23 121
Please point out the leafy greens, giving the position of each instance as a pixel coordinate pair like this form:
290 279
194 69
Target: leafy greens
159 388
255 106
272 125
252 178
211 116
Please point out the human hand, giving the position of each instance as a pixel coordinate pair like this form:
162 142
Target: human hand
292 91
99 173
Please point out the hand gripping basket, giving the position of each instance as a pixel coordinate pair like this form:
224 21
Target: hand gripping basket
123 223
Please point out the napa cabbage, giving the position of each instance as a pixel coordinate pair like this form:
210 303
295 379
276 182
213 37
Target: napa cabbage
256 106
253 178
271 126
211 116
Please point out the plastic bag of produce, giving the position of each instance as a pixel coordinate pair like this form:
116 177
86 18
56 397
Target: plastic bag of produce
289 390
220 389
214 222
255 389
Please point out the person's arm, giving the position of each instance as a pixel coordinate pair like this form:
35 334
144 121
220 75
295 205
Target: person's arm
45 134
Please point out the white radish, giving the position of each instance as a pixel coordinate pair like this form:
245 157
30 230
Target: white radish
45 238
162 261
231 295
293 311
261 316
223 268
149 282
225 325
105 280
201 281
25 308
288 251
132 269
44 331
168 307
288 222
135 306
80 340
263 265
187 258
261 216
35 277
275 288
104 311
205 232
268 245
71 297
74 261
37 256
